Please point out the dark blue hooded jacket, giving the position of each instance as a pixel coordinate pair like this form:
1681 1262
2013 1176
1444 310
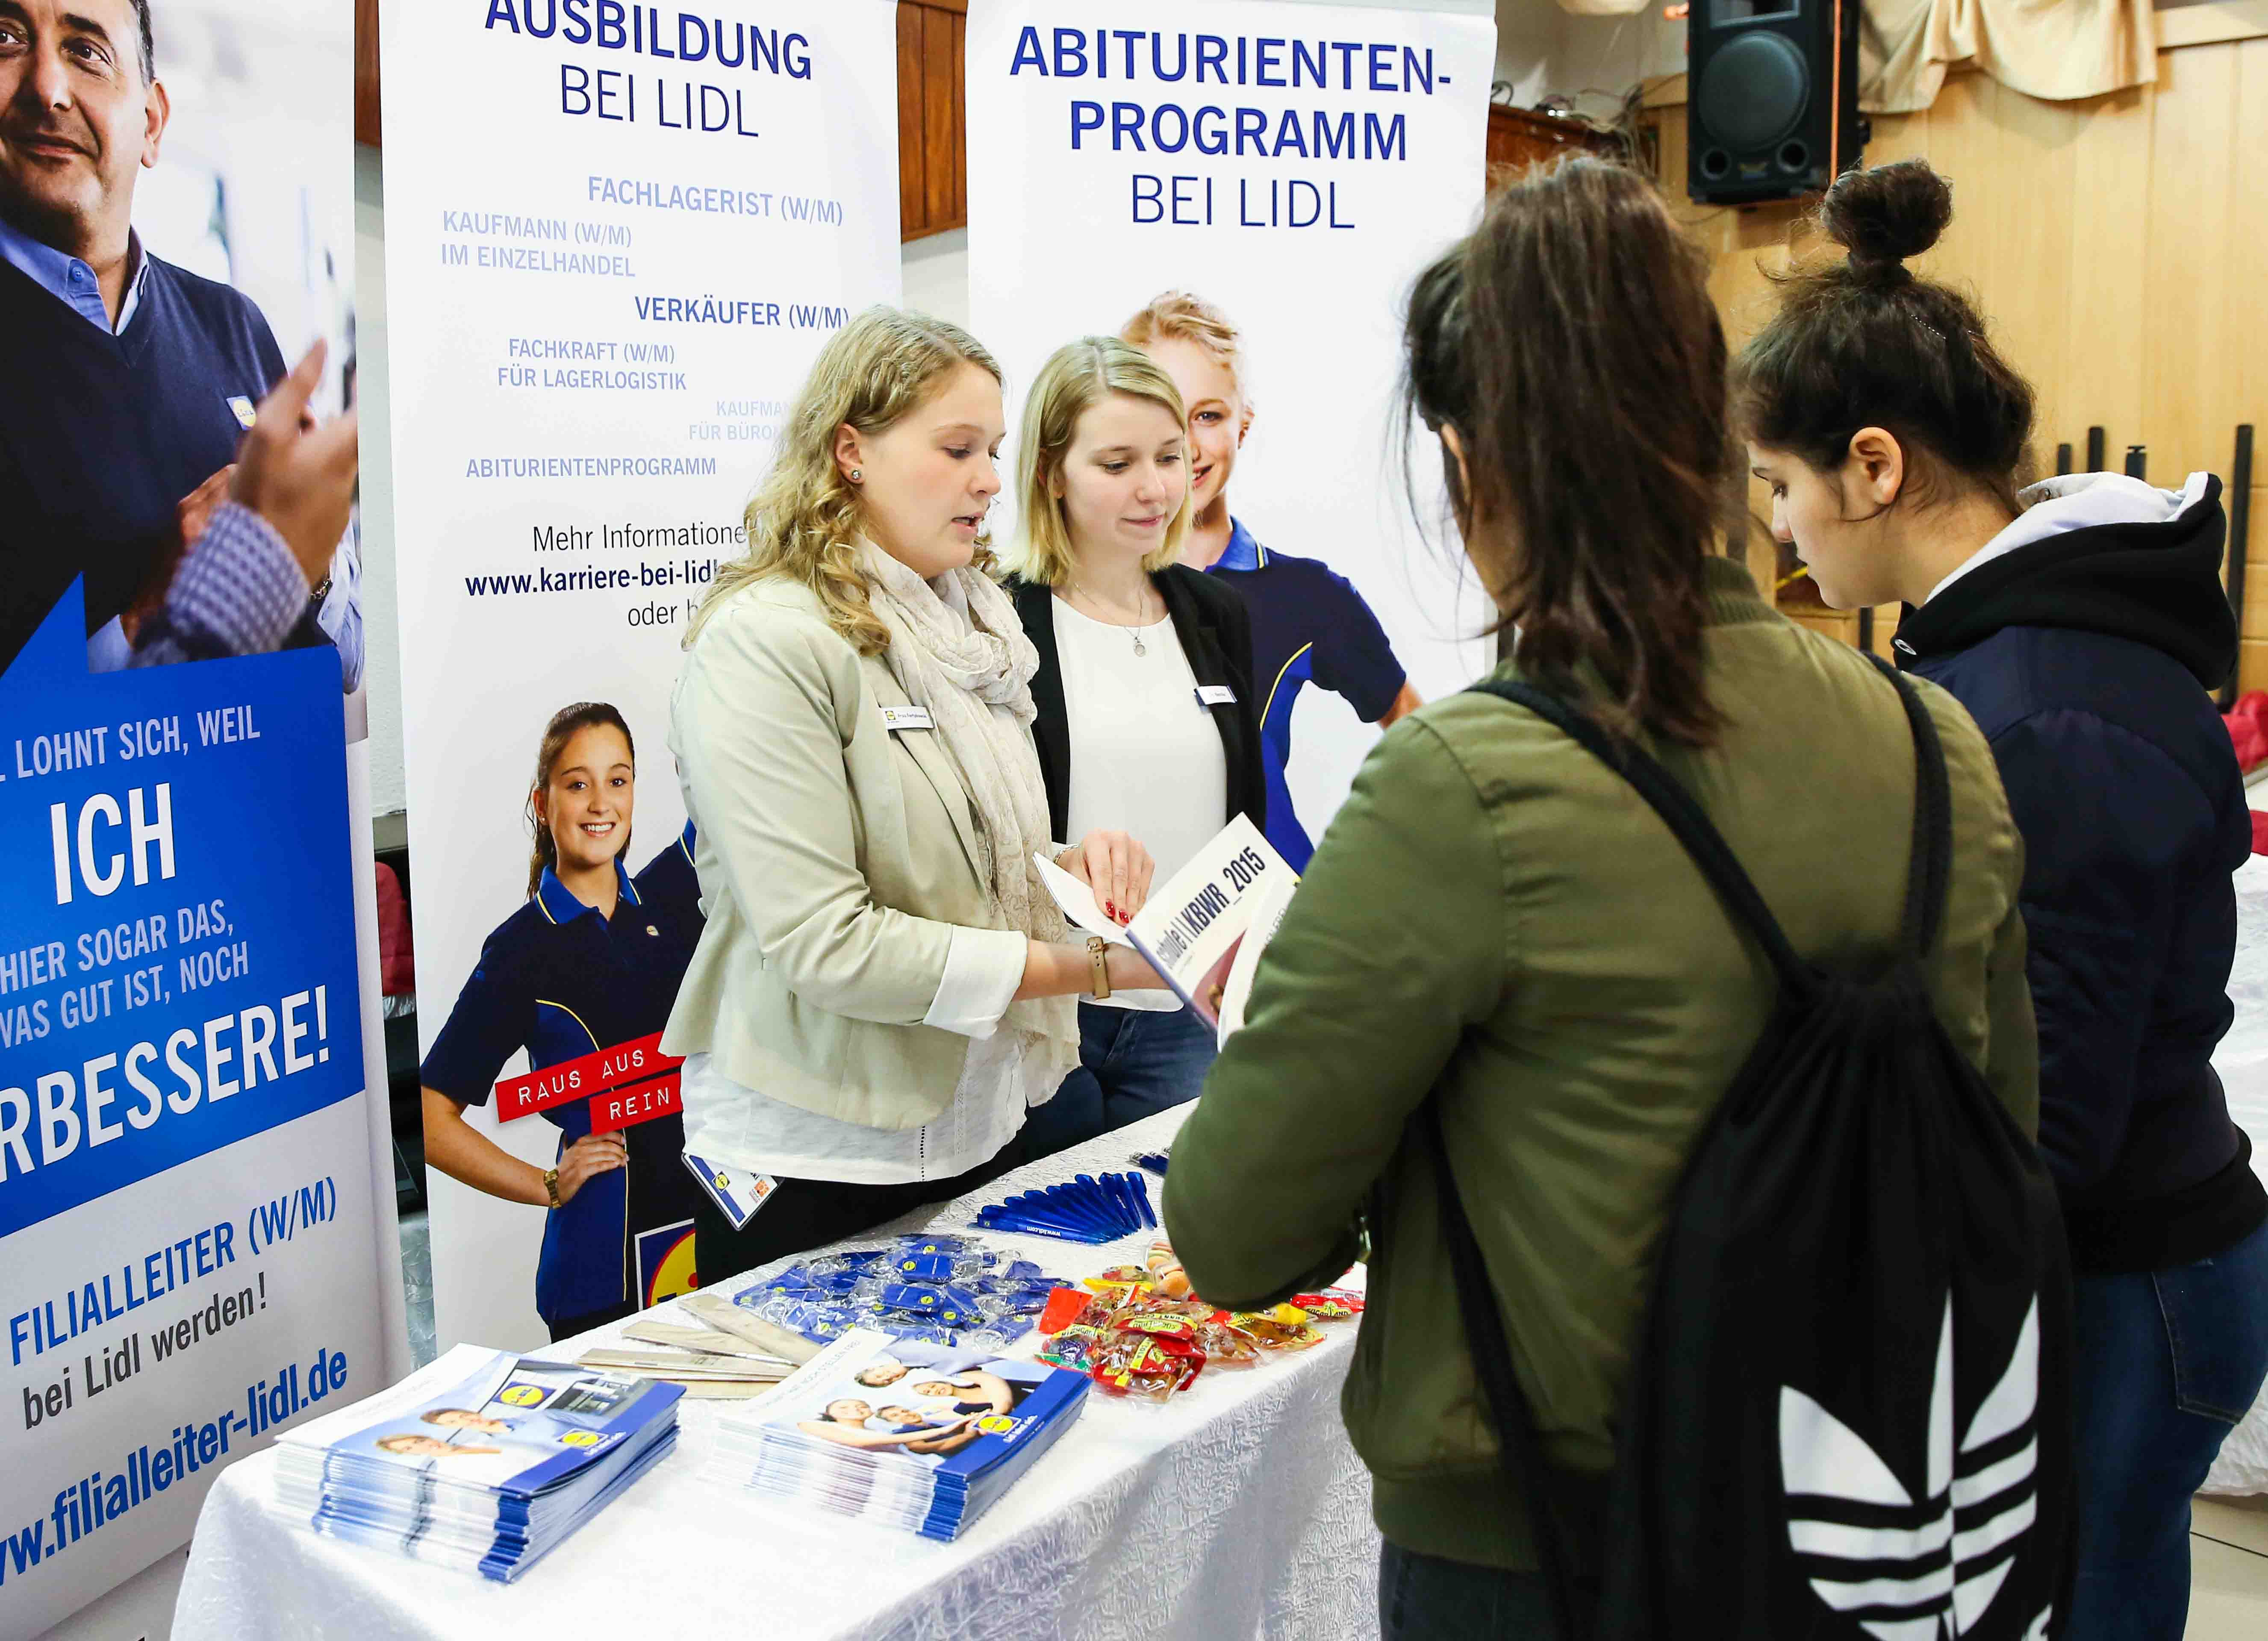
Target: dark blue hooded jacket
2083 640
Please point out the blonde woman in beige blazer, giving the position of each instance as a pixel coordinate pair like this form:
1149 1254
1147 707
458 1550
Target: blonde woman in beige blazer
883 988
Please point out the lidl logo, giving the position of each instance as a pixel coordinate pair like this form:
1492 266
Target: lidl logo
521 1395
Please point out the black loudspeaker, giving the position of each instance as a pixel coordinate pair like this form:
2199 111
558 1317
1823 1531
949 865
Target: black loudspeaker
1771 97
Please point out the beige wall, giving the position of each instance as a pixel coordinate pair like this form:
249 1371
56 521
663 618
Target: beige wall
2119 247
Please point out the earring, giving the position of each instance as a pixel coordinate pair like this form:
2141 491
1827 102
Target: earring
856 475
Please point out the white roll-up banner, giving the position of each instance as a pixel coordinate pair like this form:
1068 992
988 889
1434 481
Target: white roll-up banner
190 1239
616 237
1293 165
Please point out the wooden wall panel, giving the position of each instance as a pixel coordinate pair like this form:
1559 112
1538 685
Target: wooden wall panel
2115 246
2247 323
2103 376
2188 393
959 138
913 209
932 122
365 85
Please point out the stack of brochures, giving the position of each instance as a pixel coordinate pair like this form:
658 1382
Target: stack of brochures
862 1430
484 1462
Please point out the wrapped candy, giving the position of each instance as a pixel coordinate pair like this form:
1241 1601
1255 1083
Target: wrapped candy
1065 1307
1226 1345
1147 1367
1160 1325
1332 1304
1166 1272
1078 1347
1274 1335
1124 1277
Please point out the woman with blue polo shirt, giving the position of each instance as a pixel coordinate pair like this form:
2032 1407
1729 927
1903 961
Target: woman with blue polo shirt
1309 625
588 963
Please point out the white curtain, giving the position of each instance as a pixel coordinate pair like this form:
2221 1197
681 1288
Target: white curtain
2054 49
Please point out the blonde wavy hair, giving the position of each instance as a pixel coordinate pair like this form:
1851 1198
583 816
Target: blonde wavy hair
1178 316
804 522
1076 377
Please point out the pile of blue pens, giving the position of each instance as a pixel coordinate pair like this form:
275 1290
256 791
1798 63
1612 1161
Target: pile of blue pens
1087 1210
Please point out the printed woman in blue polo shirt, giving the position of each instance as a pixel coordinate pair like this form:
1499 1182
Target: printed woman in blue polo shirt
588 963
1308 623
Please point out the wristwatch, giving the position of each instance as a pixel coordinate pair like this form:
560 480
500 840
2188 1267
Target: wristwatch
1097 955
551 1187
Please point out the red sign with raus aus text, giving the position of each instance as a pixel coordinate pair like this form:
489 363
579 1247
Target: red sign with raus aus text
633 1082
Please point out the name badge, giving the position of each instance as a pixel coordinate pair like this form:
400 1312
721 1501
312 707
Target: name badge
736 1192
243 409
907 717
1216 695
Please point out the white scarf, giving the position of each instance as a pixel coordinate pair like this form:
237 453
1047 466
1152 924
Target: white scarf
959 652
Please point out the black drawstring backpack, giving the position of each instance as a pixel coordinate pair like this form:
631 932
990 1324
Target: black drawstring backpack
1848 1411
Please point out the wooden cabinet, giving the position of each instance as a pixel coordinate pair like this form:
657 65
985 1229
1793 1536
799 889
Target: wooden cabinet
365 113
932 123
1520 137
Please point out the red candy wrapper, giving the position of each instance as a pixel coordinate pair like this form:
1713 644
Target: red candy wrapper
1065 1306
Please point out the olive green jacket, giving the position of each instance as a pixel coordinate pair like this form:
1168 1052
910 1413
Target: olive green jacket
1497 919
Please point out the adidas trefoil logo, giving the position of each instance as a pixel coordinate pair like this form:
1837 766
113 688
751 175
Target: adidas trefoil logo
1908 1568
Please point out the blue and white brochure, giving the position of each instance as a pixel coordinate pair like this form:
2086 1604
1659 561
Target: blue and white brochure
483 1460
860 1431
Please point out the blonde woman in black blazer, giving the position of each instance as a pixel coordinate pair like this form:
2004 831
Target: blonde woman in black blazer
1143 689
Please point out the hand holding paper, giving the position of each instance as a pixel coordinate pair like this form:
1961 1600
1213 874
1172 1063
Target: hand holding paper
1198 930
1077 902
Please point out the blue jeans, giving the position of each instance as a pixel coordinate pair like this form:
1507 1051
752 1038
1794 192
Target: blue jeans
2168 1361
1132 1064
1425 1598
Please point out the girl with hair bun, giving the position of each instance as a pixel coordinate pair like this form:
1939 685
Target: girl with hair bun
2081 621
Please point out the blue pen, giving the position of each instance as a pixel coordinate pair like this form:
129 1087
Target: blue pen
1078 1201
1030 1227
1049 1205
1053 1211
1106 1211
1142 1200
1121 1194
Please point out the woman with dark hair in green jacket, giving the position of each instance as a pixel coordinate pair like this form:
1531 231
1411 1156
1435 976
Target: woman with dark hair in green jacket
1497 921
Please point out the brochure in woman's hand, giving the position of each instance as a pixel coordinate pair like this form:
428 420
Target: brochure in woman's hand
1205 926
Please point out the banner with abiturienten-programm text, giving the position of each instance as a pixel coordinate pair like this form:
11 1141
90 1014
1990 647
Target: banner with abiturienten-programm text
1291 166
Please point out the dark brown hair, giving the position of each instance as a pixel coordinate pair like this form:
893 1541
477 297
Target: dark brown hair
565 723
1570 341
1862 342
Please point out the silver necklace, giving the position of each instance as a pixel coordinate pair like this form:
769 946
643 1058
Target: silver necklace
1133 632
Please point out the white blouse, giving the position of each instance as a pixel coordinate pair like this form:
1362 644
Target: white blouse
1145 754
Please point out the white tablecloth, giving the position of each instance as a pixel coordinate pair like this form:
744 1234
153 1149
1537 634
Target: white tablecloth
2242 1062
1237 1509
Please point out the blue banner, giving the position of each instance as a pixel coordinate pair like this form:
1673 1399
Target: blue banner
177 965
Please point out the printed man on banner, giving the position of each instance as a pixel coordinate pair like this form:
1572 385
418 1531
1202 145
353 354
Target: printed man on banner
135 383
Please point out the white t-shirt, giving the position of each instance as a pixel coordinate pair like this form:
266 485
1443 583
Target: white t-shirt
1146 757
